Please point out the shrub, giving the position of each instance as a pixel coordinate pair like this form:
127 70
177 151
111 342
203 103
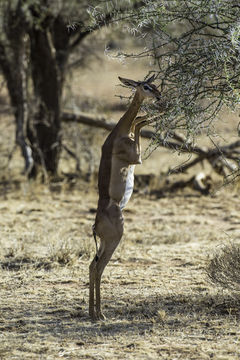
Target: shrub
224 267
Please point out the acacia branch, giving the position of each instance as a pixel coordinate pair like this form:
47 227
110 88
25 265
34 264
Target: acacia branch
105 20
217 157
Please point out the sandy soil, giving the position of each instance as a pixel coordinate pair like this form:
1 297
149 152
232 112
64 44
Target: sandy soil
156 296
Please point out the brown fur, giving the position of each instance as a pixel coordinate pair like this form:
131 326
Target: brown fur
120 150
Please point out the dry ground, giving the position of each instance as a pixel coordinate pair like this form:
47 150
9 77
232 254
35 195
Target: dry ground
156 297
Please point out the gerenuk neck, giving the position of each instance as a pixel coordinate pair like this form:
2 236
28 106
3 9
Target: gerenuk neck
124 124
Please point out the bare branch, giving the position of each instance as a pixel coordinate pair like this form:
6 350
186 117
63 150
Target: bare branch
218 156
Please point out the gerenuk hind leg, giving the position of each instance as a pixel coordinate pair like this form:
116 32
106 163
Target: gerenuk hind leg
110 239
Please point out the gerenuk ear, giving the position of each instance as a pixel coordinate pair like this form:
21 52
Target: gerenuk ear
151 79
128 82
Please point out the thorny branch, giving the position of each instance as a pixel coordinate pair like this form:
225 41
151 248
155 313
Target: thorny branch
196 48
223 159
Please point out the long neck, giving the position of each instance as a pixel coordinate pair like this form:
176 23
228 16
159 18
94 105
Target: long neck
124 124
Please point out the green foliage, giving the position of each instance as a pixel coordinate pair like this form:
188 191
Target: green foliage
194 49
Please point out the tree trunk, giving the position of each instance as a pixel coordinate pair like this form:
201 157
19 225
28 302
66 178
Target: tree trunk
44 127
13 65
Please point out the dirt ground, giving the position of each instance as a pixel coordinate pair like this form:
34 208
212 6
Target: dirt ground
156 296
157 299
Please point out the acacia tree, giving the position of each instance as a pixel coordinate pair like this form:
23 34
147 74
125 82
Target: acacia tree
195 48
37 40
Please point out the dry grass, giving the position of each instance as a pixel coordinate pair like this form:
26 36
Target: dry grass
156 296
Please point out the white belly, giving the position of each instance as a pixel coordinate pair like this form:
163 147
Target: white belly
128 188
